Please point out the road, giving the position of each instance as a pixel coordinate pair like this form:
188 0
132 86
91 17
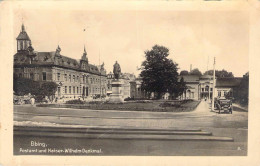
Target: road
221 125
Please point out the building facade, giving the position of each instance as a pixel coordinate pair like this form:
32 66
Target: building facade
201 87
193 88
227 86
75 78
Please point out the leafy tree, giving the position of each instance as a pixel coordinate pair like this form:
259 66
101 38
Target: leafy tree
180 88
195 72
24 86
220 73
242 91
159 74
48 89
184 72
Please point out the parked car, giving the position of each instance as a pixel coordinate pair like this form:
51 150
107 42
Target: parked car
223 105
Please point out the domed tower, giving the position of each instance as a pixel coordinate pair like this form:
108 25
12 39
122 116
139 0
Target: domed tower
23 40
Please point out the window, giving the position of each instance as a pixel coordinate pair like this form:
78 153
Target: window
69 89
91 80
73 78
59 91
219 93
58 76
77 90
74 89
20 75
202 89
65 89
77 78
31 76
70 78
65 77
206 88
44 76
211 89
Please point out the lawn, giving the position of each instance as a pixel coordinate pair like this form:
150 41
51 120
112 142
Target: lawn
150 105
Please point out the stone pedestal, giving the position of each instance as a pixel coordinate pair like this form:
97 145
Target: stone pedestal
117 92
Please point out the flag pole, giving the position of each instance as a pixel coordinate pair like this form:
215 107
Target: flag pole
213 92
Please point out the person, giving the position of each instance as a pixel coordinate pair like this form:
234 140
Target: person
32 100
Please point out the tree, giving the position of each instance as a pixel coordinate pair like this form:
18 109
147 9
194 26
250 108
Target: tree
180 88
195 72
24 86
242 91
159 74
184 72
220 73
48 89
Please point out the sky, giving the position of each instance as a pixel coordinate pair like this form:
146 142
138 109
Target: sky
193 37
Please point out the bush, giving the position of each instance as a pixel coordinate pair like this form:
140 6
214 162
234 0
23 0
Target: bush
75 102
175 104
95 102
128 99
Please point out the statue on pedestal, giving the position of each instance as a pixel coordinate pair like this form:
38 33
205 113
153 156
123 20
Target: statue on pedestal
117 90
117 70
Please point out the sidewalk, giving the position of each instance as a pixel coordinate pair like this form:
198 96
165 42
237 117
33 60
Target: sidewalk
240 107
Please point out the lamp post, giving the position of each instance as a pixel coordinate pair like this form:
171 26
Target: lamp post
213 92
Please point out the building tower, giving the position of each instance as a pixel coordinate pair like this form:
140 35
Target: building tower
23 40
84 60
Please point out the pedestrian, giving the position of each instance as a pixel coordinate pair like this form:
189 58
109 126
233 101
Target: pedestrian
32 100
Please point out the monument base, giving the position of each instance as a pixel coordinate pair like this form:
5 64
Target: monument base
117 92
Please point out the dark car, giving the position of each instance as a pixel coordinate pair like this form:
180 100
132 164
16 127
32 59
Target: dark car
224 105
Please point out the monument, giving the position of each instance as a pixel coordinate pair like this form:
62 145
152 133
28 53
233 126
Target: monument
117 90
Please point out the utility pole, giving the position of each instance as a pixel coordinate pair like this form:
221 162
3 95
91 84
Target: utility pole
213 92
100 74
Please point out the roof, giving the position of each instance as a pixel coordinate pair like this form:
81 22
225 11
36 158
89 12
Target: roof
23 36
49 58
189 78
206 77
228 82
128 76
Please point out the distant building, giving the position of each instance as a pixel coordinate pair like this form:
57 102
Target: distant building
76 78
205 87
193 88
125 79
110 78
227 86
201 87
136 91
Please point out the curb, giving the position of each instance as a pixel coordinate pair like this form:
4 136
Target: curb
126 136
88 128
